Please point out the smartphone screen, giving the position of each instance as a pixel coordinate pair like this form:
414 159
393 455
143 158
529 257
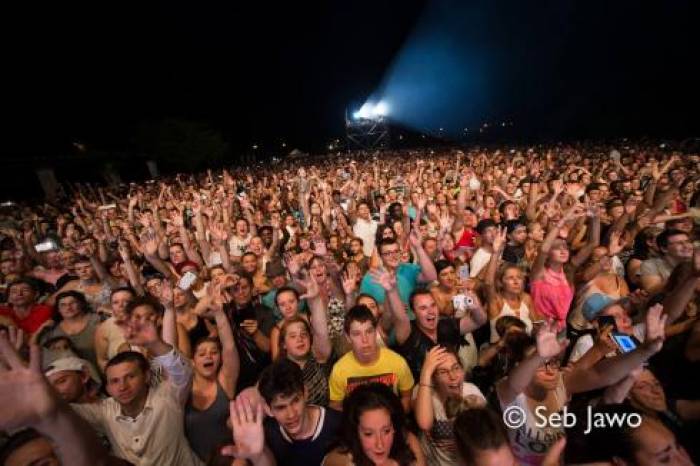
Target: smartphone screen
626 343
187 280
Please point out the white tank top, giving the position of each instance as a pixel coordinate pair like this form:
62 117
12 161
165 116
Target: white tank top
522 314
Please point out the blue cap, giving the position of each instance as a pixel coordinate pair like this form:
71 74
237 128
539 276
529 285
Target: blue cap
594 304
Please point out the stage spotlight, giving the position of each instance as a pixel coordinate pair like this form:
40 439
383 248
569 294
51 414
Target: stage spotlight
381 109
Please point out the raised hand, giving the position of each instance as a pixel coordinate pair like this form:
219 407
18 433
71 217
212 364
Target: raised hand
312 288
446 221
349 281
616 244
123 248
248 433
436 356
24 392
218 232
149 243
141 333
414 238
655 327
548 345
166 297
383 278
500 239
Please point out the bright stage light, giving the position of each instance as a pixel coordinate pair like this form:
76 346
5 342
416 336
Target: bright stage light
381 109
371 110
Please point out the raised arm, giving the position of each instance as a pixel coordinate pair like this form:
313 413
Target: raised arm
475 316
423 403
611 370
319 323
520 377
393 305
230 360
593 239
177 368
149 245
131 273
499 244
427 268
35 404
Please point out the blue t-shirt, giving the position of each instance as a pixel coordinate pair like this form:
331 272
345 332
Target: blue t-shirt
406 281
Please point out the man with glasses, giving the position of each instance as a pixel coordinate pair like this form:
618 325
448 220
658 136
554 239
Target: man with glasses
675 247
408 276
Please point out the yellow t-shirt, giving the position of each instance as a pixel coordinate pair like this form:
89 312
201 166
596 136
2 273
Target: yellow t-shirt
390 369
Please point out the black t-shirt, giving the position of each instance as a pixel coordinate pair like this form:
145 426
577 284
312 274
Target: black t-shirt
418 343
514 253
306 452
253 359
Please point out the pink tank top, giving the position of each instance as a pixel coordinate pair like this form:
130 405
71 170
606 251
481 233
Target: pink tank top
552 295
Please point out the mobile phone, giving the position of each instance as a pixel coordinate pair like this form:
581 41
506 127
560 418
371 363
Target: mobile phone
107 207
7 204
44 246
241 315
604 321
187 280
463 272
625 342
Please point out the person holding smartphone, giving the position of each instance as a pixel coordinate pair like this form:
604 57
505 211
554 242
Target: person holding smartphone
608 316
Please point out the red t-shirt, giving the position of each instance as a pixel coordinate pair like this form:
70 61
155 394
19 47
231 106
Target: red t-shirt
39 314
467 239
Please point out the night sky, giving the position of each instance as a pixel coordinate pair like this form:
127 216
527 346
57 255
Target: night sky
263 72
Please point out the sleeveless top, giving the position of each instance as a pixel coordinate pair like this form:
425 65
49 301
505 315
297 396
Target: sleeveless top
206 429
83 341
522 314
552 295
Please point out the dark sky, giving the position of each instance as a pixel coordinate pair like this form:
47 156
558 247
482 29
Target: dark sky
270 71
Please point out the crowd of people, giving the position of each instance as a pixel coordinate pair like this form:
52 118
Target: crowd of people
521 306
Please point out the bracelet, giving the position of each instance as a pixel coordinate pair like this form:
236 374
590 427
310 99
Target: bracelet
425 385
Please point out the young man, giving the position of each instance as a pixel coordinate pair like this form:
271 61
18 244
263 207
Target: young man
487 231
70 377
22 307
145 424
514 251
367 362
415 338
408 276
675 247
365 228
298 433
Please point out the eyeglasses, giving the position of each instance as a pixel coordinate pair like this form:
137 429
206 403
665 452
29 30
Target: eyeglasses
395 252
456 369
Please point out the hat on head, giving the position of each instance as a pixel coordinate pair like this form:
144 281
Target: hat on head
59 361
182 265
595 304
